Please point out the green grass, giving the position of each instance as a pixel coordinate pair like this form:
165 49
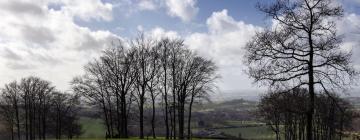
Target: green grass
125 139
92 128
248 130
259 132
243 123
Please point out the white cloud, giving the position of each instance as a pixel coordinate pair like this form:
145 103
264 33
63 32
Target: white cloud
224 39
223 43
147 5
129 7
85 9
46 42
159 33
186 10
349 27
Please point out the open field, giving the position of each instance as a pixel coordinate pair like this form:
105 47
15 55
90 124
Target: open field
162 139
92 128
125 139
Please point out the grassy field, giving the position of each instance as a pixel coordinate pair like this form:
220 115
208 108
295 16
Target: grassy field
258 132
250 130
125 139
92 128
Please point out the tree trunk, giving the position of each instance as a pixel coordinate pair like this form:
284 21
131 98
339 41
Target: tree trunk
189 117
111 120
141 109
174 117
119 122
31 121
26 117
153 116
310 111
44 124
311 82
106 120
17 119
181 120
12 131
124 133
166 115
171 124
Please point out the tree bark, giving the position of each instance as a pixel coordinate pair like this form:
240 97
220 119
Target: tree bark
189 117
17 119
311 85
141 109
124 131
153 116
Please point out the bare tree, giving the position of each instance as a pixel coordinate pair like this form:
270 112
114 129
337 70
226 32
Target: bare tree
107 83
146 72
64 110
27 106
35 95
121 73
153 84
7 113
332 114
147 69
302 49
190 76
202 82
92 87
11 94
163 47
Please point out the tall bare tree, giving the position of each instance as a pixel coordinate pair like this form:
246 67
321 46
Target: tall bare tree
7 114
120 67
285 113
153 84
140 73
201 83
93 87
11 94
163 48
29 105
64 108
107 83
146 72
302 49
35 95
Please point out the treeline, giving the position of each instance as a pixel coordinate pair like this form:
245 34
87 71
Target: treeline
33 109
146 73
285 113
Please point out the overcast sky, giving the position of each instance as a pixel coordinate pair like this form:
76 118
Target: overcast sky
54 39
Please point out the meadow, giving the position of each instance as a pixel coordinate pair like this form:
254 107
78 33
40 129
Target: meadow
94 130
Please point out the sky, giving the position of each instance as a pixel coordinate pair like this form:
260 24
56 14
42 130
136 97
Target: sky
54 39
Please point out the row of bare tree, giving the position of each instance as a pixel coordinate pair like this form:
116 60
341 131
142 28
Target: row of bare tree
33 109
142 74
285 113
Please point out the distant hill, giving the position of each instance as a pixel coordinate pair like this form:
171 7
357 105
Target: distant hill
251 95
228 105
